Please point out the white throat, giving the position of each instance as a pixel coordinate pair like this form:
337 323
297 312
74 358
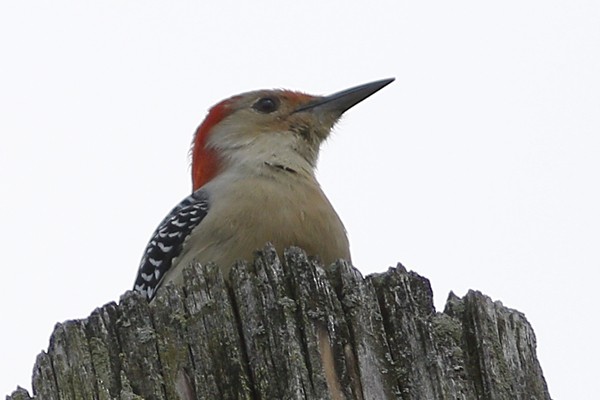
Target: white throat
262 153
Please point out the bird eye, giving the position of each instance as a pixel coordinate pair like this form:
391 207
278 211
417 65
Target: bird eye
266 105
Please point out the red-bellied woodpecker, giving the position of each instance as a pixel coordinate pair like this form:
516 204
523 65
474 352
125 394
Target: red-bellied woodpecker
253 173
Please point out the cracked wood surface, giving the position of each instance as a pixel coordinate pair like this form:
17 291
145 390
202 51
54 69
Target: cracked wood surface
292 330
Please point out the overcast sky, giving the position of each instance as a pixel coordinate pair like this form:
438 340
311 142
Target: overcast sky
478 168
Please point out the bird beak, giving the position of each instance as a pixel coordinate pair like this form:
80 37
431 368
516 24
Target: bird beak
340 102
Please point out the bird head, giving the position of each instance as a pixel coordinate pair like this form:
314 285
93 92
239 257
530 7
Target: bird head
278 128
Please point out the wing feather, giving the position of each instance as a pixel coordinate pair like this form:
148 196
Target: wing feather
167 241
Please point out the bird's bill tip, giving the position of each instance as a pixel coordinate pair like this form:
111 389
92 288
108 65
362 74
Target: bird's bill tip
342 101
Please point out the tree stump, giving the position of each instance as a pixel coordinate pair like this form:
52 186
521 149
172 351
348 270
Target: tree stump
292 330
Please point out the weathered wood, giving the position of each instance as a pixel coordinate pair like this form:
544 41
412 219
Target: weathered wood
292 330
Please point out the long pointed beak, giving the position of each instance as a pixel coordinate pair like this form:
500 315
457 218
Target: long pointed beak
340 102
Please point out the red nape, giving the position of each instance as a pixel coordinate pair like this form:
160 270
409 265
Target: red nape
205 163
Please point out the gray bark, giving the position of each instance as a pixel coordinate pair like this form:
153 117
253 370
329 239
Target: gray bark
292 330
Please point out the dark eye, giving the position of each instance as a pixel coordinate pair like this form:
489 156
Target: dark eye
266 105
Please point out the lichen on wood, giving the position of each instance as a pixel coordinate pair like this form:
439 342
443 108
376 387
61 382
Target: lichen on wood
287 328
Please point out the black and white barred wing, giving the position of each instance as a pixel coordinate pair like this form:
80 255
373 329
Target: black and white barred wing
167 242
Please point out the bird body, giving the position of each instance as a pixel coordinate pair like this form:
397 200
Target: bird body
302 217
253 175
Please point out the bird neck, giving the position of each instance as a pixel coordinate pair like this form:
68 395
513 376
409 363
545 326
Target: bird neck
271 161
236 152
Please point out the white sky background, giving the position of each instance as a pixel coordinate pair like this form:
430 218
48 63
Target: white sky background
478 168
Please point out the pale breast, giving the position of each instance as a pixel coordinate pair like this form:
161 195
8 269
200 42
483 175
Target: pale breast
246 214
